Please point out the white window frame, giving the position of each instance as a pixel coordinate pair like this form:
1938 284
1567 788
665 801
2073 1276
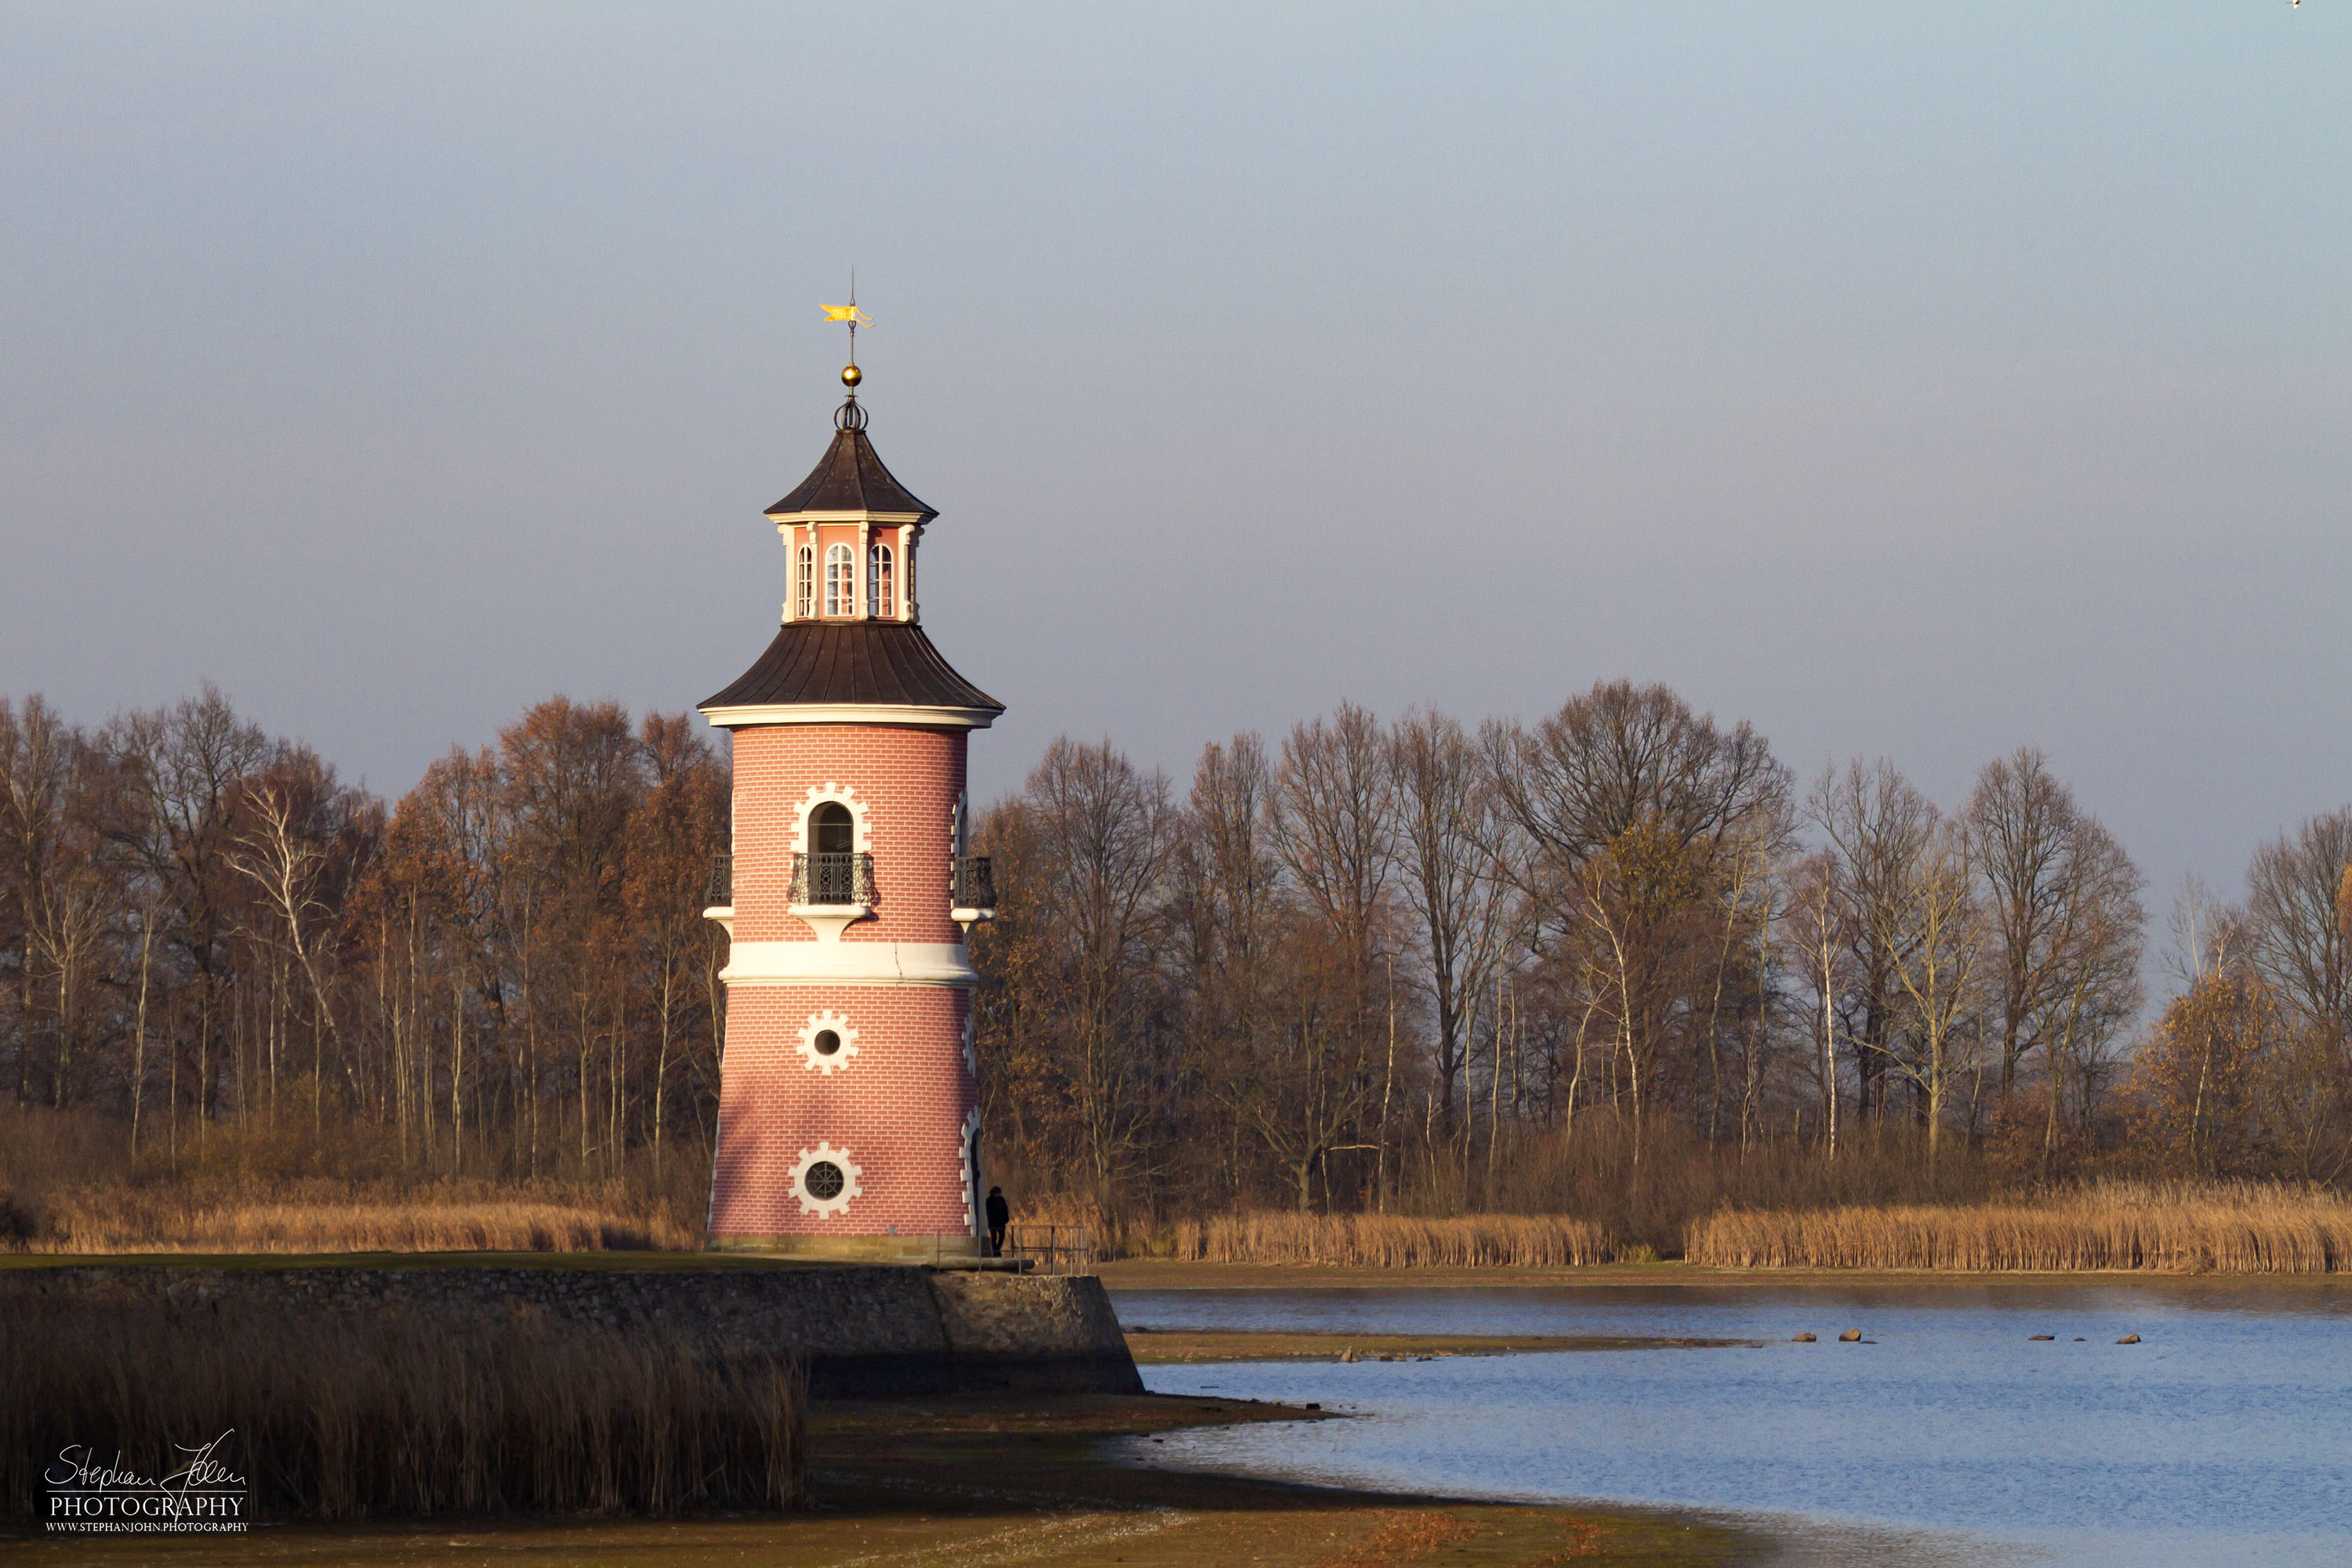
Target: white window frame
881 581
840 580
805 591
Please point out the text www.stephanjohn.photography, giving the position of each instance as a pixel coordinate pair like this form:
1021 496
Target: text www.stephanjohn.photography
90 1495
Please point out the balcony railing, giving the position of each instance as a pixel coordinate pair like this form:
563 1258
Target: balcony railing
975 884
720 893
832 879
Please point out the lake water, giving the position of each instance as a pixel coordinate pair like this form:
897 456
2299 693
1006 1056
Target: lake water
2224 1437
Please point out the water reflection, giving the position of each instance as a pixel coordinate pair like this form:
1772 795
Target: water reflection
2220 1438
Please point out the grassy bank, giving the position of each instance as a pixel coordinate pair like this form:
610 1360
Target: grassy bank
1162 1346
2223 1228
348 1415
997 1480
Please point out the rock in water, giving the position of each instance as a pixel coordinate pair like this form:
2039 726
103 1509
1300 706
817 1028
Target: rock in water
1803 1340
1852 1336
2042 1336
2128 1339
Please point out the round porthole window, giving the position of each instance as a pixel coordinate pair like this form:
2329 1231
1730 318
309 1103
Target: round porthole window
824 1179
828 1043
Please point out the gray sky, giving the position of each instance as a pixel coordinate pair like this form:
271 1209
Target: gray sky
1917 381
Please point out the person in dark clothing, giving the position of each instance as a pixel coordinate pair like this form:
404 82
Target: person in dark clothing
1000 1214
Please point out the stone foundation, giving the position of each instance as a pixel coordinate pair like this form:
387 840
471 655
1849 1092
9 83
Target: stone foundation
865 1331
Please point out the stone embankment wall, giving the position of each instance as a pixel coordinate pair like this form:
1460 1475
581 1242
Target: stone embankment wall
865 1330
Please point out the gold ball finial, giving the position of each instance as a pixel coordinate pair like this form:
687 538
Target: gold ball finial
851 375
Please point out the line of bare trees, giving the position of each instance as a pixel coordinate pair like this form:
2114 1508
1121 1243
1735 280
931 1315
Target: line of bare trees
1368 965
504 975
1375 964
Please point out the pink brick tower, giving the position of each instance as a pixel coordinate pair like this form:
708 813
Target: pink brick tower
849 1123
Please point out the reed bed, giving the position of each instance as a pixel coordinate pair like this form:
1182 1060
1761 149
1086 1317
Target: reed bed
346 1416
128 1220
2226 1228
1395 1241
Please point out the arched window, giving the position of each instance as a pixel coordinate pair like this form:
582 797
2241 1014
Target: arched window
878 585
840 581
804 583
832 830
832 868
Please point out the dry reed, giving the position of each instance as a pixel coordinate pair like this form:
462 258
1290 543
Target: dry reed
345 1417
2227 1228
118 1220
1395 1241
68 1183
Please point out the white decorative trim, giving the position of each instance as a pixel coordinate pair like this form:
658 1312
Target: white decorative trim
862 838
725 915
817 1025
970 1161
825 1208
783 520
906 571
885 715
826 920
849 963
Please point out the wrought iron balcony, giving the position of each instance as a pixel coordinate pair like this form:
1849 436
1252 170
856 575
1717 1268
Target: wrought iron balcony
832 879
975 884
720 893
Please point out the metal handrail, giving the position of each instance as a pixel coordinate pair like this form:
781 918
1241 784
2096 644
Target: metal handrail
720 892
1051 1249
975 883
833 878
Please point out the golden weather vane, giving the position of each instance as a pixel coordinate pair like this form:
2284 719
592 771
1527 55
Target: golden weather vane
856 318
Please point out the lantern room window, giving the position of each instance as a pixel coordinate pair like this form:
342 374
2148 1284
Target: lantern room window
840 581
804 583
878 584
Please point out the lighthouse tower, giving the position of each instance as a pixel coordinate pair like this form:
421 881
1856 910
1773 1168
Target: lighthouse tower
848 1124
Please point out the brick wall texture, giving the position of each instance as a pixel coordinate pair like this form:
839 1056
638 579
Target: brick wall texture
899 1105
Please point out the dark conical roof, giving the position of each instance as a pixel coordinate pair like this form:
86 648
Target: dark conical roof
884 663
851 477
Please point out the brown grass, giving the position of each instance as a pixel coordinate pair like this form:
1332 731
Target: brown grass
68 1183
1392 1241
2229 1228
348 1416
132 1219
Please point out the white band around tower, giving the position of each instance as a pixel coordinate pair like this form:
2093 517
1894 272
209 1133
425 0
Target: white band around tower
848 963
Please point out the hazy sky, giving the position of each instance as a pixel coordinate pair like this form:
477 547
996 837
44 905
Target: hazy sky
1917 381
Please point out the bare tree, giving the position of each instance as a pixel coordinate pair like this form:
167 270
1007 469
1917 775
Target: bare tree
282 842
2022 824
1106 830
1819 929
2298 923
1935 924
1879 827
1451 843
1229 904
181 769
2066 927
